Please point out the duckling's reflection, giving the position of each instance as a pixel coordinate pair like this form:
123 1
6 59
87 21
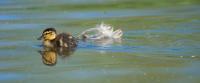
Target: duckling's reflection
49 55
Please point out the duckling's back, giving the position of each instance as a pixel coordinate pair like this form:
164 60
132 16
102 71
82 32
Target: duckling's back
66 40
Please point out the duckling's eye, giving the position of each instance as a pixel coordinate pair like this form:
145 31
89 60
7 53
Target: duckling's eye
48 33
51 33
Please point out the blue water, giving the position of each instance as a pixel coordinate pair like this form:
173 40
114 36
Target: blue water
160 42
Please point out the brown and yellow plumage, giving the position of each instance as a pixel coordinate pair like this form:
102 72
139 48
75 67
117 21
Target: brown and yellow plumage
52 39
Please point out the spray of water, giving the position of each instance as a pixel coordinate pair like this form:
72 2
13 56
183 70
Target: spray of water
101 31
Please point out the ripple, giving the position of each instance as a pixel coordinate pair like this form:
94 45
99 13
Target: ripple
11 76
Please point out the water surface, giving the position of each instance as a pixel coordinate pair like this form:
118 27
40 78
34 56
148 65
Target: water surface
160 42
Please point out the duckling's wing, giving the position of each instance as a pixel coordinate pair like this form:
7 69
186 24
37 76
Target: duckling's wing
59 41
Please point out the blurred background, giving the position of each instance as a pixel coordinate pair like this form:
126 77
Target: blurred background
161 41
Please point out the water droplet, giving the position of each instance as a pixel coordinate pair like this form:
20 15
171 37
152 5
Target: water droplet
145 74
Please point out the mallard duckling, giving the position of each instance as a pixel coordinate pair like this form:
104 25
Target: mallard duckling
52 39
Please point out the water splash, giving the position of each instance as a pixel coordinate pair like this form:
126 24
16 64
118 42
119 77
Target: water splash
102 31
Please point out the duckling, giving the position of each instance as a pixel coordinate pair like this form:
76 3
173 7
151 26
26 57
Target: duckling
52 39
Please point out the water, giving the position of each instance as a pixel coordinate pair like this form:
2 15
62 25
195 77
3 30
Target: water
160 42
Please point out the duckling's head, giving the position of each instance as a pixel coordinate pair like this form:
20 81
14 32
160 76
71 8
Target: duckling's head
48 34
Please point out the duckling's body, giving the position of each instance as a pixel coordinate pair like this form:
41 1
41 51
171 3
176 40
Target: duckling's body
54 40
65 40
